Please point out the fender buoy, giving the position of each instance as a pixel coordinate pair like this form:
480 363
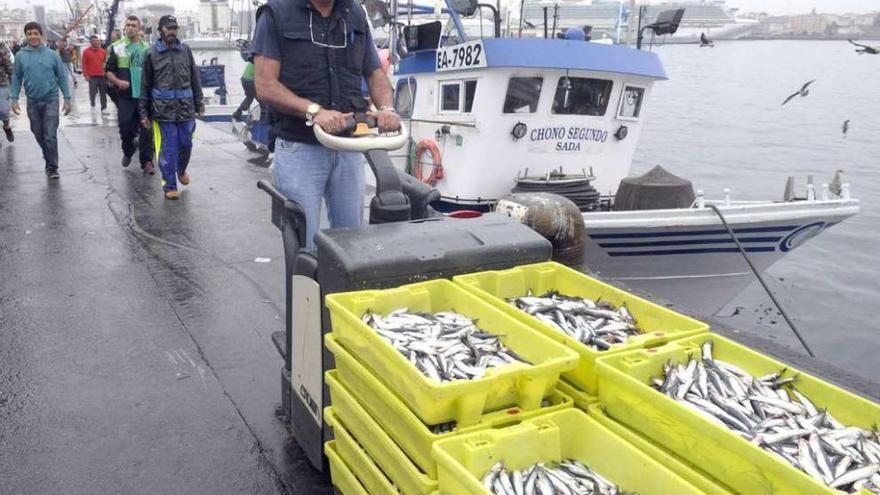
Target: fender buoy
429 145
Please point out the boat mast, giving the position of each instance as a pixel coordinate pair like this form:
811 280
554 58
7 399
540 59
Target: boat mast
619 19
392 35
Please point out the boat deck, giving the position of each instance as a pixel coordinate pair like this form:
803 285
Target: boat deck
135 351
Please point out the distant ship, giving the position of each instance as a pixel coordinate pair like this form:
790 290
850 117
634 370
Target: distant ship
211 43
712 17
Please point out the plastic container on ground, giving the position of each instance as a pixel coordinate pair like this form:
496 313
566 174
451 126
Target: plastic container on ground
658 324
399 468
745 468
582 400
356 458
340 474
401 424
689 473
569 434
463 401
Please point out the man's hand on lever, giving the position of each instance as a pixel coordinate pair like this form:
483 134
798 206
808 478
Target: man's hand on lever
387 119
331 121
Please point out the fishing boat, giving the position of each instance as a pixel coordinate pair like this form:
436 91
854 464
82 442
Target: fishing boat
491 115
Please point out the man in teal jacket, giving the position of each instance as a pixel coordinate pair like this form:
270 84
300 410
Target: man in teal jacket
41 72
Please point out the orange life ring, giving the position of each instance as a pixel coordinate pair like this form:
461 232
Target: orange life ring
429 145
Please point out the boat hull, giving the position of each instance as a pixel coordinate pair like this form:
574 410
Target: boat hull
687 257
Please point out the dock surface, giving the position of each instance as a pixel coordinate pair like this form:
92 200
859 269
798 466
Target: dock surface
135 351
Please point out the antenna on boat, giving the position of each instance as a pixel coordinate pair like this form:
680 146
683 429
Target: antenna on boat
392 36
521 9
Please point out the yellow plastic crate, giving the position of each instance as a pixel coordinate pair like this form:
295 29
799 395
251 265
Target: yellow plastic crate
660 325
463 401
401 424
340 474
628 398
582 400
690 474
464 460
360 463
379 446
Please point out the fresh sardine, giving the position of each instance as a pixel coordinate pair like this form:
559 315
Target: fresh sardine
444 346
771 413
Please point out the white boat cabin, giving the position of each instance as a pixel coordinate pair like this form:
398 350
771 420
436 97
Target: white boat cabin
491 109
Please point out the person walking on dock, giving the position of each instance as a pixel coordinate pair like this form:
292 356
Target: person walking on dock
171 97
42 74
250 91
67 53
93 59
311 57
124 70
6 70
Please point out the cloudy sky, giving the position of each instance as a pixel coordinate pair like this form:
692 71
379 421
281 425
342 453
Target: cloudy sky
770 6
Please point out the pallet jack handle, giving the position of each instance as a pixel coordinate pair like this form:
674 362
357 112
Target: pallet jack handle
356 138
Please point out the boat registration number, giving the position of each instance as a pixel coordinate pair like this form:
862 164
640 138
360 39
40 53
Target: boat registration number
464 56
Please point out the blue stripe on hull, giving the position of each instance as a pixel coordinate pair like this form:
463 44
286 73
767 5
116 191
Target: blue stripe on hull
692 251
686 242
641 235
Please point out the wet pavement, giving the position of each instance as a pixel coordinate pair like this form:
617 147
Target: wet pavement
135 351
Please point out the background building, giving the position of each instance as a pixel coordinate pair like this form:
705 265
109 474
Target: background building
12 23
214 17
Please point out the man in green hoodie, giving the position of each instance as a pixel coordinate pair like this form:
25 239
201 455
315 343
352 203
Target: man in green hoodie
125 67
41 72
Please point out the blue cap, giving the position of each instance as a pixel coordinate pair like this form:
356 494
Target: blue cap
575 33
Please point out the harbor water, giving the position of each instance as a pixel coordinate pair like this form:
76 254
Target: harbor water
719 122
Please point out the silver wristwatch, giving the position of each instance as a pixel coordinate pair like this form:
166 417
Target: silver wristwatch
311 111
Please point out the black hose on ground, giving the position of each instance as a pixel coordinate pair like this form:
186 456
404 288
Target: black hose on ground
761 279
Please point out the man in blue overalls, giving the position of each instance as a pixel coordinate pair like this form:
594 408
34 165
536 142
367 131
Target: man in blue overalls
171 96
311 57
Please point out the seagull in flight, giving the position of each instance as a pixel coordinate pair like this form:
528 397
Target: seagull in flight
863 49
801 92
845 126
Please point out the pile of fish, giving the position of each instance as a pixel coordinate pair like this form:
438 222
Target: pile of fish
594 323
445 346
569 477
770 412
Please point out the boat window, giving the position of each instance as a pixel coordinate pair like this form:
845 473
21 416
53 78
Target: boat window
450 94
404 97
470 89
523 94
631 104
457 96
581 96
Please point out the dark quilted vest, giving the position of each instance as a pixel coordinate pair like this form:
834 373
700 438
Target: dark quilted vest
330 77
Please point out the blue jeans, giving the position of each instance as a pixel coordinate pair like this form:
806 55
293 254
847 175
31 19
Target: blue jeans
308 173
44 124
5 103
173 142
